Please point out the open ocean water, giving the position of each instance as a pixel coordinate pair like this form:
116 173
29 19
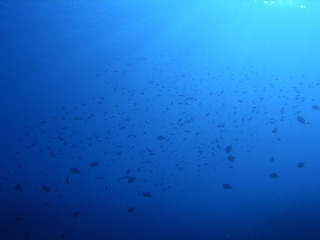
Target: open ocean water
159 120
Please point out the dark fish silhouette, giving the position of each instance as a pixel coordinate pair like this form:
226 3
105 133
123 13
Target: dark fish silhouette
300 164
147 194
231 158
94 164
75 214
67 180
301 120
161 137
226 186
131 180
45 189
62 236
74 170
18 188
274 175
228 149
131 209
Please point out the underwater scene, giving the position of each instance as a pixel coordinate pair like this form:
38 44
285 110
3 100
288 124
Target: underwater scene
160 120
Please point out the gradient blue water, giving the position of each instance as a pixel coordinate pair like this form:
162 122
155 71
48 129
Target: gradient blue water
116 116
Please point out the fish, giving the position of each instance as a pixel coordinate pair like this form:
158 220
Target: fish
131 209
226 186
231 158
94 164
228 149
147 194
45 188
301 120
75 214
131 179
75 170
274 175
18 188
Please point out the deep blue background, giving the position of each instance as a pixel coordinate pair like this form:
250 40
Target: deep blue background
143 97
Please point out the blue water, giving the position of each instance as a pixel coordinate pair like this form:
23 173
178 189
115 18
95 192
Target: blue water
151 120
